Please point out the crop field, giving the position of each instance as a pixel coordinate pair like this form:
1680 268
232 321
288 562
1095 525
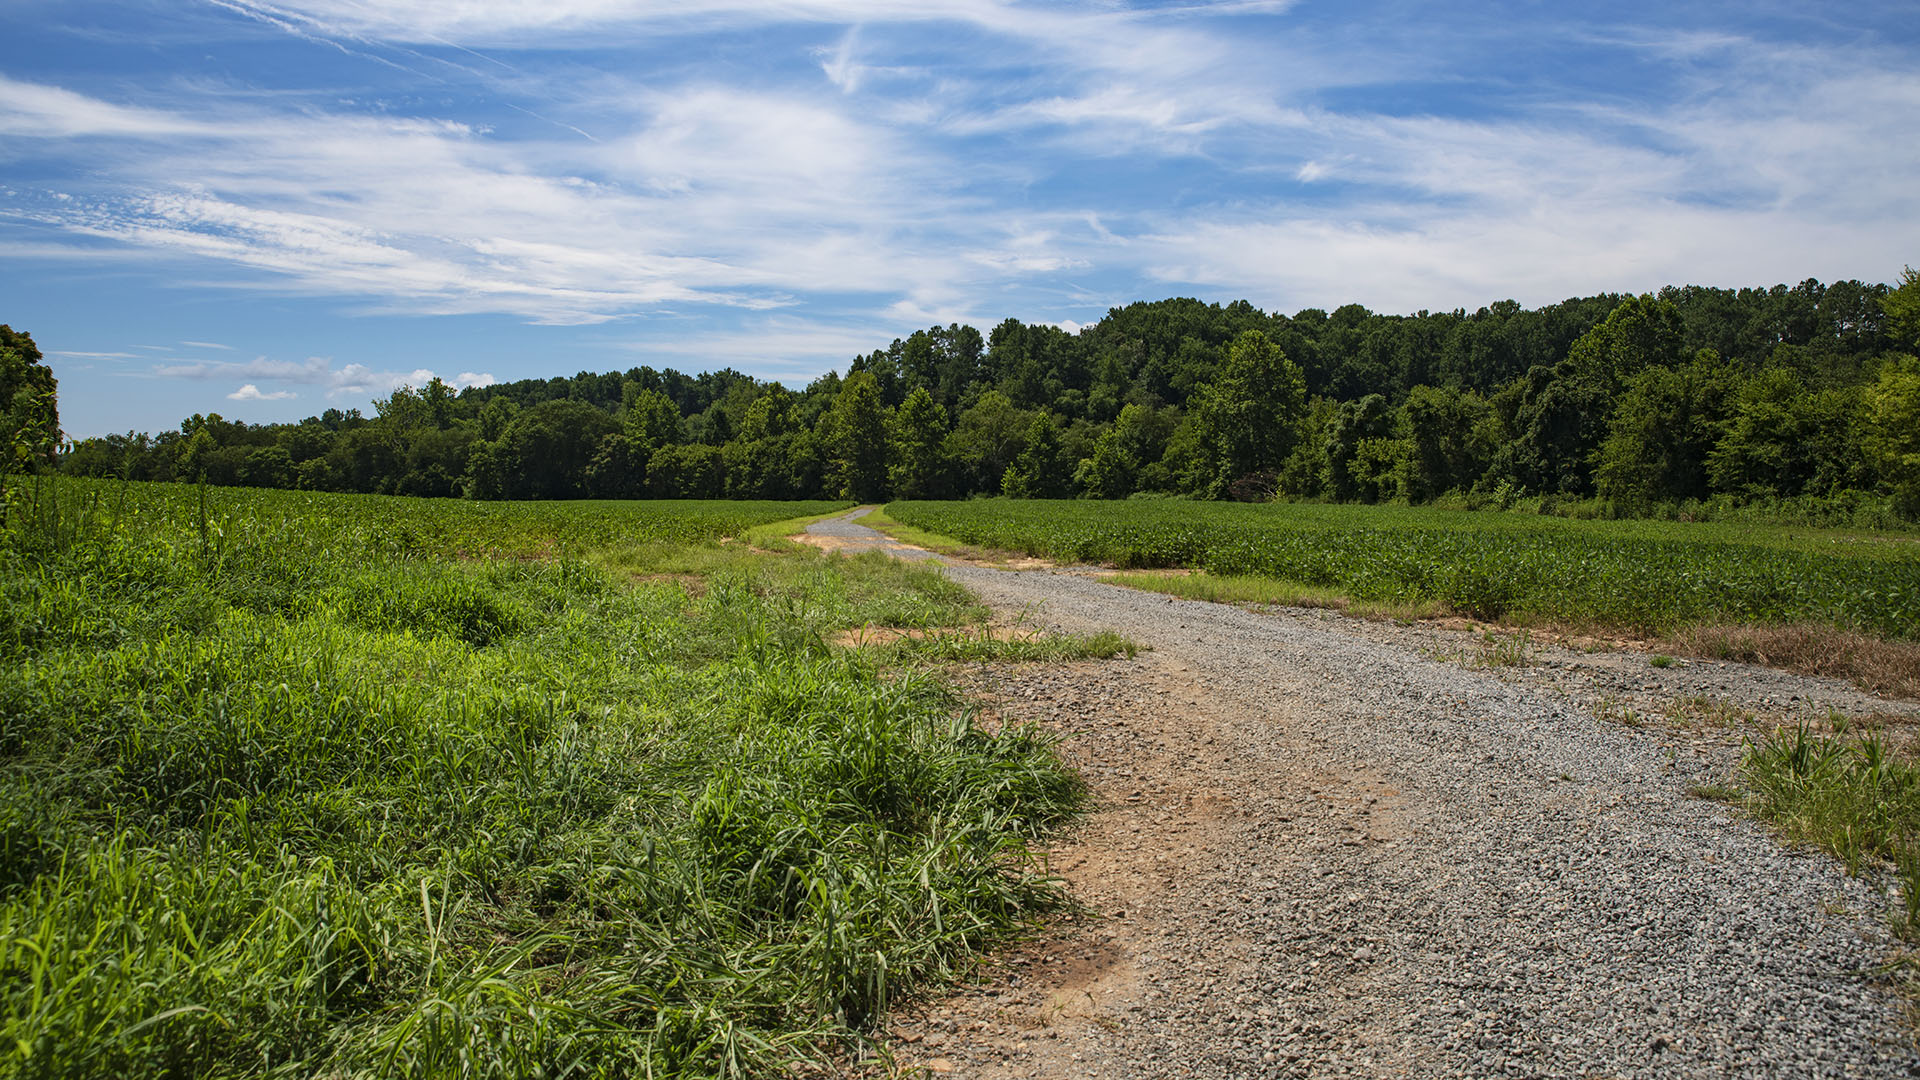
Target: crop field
302 785
1641 575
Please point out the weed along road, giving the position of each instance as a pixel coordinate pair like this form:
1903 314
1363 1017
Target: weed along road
1326 847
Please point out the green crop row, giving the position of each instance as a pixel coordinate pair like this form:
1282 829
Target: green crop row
1640 575
326 525
305 785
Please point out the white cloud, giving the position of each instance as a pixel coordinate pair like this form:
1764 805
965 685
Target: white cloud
250 392
719 196
839 65
1800 173
35 110
314 371
317 371
940 172
541 23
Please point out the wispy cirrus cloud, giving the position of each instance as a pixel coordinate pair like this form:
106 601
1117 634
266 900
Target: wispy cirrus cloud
717 197
781 186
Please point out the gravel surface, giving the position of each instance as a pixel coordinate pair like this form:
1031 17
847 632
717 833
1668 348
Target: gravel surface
843 534
1328 847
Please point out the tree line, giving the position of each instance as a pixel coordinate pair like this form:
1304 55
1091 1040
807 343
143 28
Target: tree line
1808 391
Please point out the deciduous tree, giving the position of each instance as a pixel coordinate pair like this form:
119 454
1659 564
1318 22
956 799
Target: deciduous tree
856 431
29 409
919 467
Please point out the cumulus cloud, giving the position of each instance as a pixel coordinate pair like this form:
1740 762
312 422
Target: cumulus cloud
250 392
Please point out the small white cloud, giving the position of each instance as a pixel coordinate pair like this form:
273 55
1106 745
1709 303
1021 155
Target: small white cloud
208 345
347 380
250 392
317 370
841 69
1311 171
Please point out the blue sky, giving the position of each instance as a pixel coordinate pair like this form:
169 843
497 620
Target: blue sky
266 209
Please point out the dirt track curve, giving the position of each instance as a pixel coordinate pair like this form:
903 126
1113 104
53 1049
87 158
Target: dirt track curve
1330 847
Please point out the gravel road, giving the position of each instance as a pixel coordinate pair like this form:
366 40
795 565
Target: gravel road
1329 847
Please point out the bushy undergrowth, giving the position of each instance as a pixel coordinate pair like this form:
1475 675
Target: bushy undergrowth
1641 575
280 795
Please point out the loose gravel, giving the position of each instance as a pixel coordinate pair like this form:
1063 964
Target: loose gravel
842 533
1328 847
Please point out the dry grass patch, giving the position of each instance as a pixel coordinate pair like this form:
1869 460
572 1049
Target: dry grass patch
1875 664
1706 711
1015 642
1878 665
1247 589
861 636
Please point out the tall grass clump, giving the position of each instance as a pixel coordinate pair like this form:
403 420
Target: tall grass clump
1847 793
302 785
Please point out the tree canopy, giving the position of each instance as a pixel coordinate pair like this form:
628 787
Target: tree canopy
1689 393
29 414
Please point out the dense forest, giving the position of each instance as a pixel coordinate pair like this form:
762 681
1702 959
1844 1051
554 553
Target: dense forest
1807 392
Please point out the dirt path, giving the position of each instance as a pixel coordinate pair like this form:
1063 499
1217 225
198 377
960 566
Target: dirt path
845 533
1328 847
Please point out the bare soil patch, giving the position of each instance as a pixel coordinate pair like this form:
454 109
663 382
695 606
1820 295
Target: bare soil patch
1162 799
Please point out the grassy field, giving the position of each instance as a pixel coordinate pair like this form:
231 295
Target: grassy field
1646 576
299 785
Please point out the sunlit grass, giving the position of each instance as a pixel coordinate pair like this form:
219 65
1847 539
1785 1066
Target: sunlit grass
283 791
1848 793
1640 577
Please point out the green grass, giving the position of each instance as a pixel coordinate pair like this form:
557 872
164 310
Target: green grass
1640 576
774 536
884 522
303 785
1848 794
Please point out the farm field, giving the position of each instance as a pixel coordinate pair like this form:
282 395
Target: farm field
298 784
1644 576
